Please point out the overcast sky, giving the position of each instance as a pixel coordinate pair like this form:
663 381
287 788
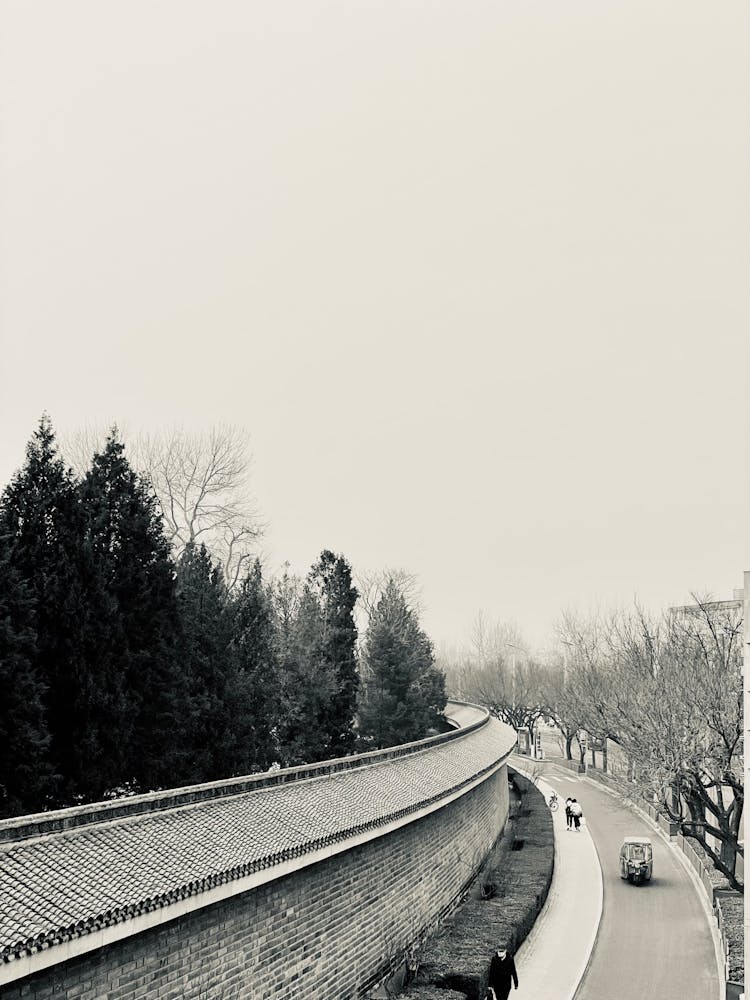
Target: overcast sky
473 275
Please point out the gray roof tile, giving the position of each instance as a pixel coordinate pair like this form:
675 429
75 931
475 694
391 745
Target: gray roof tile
85 877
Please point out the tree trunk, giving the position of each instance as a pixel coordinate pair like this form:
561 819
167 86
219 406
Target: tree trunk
729 855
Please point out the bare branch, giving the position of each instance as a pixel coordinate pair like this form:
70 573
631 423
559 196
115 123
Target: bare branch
201 481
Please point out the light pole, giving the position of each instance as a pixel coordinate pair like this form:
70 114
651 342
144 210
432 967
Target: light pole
650 640
570 645
513 656
513 666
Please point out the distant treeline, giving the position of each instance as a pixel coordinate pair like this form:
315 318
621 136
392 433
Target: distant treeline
123 668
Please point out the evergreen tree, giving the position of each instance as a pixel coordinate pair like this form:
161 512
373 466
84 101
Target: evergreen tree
208 663
331 580
306 691
404 695
92 737
41 518
254 702
141 691
24 740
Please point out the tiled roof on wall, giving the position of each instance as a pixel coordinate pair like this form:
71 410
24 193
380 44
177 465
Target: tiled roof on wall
64 885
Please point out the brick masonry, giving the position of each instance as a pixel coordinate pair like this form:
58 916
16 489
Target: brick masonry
326 932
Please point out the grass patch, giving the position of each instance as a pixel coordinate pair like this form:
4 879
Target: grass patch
732 923
430 993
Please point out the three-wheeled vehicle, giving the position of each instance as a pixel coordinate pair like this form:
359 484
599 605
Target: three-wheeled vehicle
636 859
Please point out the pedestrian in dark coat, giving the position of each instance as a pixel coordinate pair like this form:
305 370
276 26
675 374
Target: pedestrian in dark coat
502 972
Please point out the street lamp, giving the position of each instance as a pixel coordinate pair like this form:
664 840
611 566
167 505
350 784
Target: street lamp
650 640
565 660
513 656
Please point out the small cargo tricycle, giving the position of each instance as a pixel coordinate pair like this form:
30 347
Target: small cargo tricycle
636 860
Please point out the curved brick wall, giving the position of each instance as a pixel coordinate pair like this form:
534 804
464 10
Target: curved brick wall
295 886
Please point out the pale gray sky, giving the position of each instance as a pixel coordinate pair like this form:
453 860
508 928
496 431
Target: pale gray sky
473 275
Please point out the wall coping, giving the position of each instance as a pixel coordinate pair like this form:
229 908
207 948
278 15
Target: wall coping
59 820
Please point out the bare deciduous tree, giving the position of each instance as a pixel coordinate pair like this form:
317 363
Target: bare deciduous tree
514 694
493 642
687 738
669 692
495 669
563 705
372 584
201 481
457 667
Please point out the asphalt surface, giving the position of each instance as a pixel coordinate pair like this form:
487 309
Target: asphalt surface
654 940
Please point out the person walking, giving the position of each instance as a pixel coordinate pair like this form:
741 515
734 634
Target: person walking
576 812
502 972
568 813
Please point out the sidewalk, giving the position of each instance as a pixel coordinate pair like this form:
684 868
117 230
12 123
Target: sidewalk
553 958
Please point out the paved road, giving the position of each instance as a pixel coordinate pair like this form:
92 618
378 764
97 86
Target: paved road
654 940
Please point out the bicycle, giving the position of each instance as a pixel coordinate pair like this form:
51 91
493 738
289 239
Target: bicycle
553 802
